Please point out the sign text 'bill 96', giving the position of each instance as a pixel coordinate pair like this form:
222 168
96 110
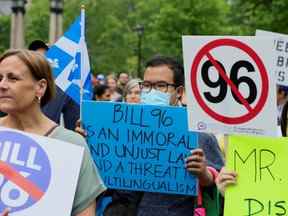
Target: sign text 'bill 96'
25 171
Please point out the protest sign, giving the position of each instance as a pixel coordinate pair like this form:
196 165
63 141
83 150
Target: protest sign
280 50
140 147
35 174
262 180
228 84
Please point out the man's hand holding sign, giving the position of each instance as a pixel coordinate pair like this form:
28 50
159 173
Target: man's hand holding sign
197 165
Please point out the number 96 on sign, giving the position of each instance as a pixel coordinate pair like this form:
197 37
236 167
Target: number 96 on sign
222 86
215 89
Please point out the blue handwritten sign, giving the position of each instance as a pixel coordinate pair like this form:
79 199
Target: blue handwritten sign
140 147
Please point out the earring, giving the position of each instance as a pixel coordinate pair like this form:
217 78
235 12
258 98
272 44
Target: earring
38 99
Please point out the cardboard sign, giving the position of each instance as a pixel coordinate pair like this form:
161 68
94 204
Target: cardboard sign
262 182
280 50
140 147
35 174
228 84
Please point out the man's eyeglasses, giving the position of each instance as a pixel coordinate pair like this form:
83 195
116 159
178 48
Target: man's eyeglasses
162 86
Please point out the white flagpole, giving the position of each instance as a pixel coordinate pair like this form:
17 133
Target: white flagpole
82 64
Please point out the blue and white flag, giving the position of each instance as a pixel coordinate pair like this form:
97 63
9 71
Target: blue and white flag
70 62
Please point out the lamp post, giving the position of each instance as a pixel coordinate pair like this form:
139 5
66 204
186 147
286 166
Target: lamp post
17 24
139 29
56 20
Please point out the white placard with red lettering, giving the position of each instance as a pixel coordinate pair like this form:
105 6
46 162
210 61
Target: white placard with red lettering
280 50
38 174
229 85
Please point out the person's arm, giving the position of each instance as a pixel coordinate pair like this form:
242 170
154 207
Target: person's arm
197 165
71 112
224 179
89 187
89 211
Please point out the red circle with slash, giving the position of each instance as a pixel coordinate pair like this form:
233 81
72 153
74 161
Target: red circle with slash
205 51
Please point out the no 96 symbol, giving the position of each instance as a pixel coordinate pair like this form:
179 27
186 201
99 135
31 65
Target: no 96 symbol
223 86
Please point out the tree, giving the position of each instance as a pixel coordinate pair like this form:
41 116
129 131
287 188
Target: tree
249 15
111 37
37 21
110 25
4 33
107 33
172 19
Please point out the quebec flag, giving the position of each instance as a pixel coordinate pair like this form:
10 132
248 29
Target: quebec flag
65 59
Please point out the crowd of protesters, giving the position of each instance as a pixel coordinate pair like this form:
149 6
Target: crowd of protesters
27 89
116 89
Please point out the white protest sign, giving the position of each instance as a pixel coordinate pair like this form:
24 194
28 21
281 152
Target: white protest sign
228 84
38 175
280 50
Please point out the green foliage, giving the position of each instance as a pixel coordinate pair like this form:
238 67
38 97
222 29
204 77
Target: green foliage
176 18
110 25
248 15
37 21
4 33
107 33
116 42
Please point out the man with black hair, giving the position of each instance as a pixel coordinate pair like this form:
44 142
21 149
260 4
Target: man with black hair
62 103
163 77
39 46
163 84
